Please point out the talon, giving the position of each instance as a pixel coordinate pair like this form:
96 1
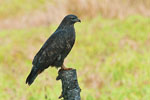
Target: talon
64 68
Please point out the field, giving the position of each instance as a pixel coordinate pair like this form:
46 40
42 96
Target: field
111 55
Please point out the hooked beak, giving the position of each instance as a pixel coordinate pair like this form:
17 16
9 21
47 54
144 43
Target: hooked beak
79 20
76 20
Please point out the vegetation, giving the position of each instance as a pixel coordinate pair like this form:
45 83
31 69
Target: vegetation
107 8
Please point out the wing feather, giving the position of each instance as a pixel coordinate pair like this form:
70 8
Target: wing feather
50 50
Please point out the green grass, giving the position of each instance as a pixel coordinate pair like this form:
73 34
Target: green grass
112 58
11 8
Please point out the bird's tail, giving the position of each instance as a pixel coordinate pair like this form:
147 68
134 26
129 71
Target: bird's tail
33 74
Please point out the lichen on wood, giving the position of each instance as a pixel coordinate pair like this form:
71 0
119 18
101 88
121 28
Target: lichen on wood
70 86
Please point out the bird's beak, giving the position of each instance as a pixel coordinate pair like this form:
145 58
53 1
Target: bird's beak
79 20
76 20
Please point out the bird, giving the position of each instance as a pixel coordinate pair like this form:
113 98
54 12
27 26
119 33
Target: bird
55 49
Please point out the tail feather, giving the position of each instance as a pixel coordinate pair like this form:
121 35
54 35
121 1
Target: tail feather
33 74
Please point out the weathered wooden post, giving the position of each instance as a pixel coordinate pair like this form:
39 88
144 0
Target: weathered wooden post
70 86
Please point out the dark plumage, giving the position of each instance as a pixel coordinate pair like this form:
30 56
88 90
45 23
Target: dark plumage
55 49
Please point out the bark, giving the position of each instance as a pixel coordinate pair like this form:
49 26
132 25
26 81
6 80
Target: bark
70 86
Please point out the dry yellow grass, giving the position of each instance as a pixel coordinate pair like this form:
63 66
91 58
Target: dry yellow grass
109 8
54 10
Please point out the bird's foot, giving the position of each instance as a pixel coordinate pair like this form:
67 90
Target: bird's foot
64 68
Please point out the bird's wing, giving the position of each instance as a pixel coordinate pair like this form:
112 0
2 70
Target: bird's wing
50 50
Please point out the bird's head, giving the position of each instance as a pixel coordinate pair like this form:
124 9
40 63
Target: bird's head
71 19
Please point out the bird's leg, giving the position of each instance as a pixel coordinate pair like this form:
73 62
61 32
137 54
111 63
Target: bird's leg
64 68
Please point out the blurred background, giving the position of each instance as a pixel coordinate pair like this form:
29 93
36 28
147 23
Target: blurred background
111 53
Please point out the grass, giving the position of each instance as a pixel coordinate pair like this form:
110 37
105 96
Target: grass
107 8
111 56
10 8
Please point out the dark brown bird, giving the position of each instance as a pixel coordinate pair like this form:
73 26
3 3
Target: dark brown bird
55 49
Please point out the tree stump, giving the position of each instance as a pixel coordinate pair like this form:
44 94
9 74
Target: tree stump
70 86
